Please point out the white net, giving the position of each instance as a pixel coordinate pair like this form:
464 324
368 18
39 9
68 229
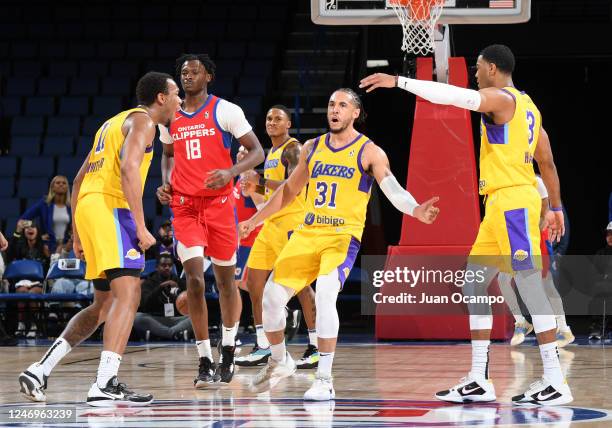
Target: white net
418 19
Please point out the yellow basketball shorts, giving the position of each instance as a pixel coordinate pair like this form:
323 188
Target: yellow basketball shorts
509 235
107 232
311 253
270 241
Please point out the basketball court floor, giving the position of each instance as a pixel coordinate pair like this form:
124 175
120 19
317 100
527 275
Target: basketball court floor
377 385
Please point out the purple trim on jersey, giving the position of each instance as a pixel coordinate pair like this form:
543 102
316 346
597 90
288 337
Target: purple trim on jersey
518 234
190 115
314 148
289 233
227 137
366 180
510 93
341 148
496 134
149 149
273 149
130 256
349 261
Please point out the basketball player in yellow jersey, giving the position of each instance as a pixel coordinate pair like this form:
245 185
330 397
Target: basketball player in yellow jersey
512 136
109 232
280 163
339 169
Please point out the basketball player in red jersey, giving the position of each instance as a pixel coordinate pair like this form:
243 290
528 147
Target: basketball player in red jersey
197 174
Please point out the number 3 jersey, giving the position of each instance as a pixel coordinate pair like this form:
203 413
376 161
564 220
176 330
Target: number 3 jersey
338 188
202 143
506 151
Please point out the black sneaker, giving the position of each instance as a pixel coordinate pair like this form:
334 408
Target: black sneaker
294 317
206 374
116 394
310 359
225 369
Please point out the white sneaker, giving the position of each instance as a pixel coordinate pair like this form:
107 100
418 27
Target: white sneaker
33 383
469 390
521 330
322 389
542 392
564 338
272 373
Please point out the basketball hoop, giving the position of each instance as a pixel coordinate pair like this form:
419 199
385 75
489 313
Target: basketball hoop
418 19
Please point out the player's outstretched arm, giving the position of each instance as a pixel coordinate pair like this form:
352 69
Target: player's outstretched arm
289 158
74 198
375 161
139 131
546 163
488 100
284 194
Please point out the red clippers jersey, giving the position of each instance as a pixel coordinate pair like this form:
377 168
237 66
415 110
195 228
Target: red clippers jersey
245 209
200 146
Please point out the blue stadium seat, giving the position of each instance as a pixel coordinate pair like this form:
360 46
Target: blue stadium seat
155 12
140 50
64 125
10 106
111 50
149 268
7 187
208 47
58 146
84 145
62 68
40 106
250 105
84 86
261 50
189 31
96 30
214 30
32 187
252 86
229 67
41 31
25 146
223 87
268 31
127 30
69 166
27 68
268 11
254 67
124 68
232 50
217 10
89 69
20 86
74 106
23 50
22 126
149 207
9 224
74 31
8 166
37 167
107 105
239 31
9 207
151 186
83 50
52 86
24 269
170 49
92 124
163 66
56 272
53 50
166 211
116 86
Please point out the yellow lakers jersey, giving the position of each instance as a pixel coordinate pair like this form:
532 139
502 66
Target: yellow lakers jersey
103 171
506 151
338 188
275 170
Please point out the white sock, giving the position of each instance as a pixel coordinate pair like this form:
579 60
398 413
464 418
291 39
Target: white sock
550 361
312 337
279 352
109 366
229 336
326 359
480 359
204 350
262 340
56 352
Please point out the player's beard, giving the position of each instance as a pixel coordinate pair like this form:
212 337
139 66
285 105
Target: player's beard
342 128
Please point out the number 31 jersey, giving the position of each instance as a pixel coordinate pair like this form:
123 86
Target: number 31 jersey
506 151
202 143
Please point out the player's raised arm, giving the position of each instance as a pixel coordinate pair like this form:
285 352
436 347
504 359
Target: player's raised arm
284 194
546 163
376 163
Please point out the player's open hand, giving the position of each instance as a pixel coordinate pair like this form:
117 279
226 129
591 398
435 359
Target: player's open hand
164 194
145 239
3 242
217 178
555 222
245 228
427 212
377 80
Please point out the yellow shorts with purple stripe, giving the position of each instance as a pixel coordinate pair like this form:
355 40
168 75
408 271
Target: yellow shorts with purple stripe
509 235
271 240
107 232
312 252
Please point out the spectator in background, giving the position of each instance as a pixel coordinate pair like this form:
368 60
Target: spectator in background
53 212
164 244
603 281
5 339
158 315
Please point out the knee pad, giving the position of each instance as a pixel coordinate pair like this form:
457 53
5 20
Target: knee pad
477 286
275 298
328 287
529 285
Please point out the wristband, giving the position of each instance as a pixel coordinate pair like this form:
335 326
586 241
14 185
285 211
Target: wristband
556 208
262 181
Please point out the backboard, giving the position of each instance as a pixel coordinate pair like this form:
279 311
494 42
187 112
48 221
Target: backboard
378 12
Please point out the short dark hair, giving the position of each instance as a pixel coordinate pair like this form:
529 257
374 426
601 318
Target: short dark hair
357 102
204 59
150 85
161 256
283 108
501 56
